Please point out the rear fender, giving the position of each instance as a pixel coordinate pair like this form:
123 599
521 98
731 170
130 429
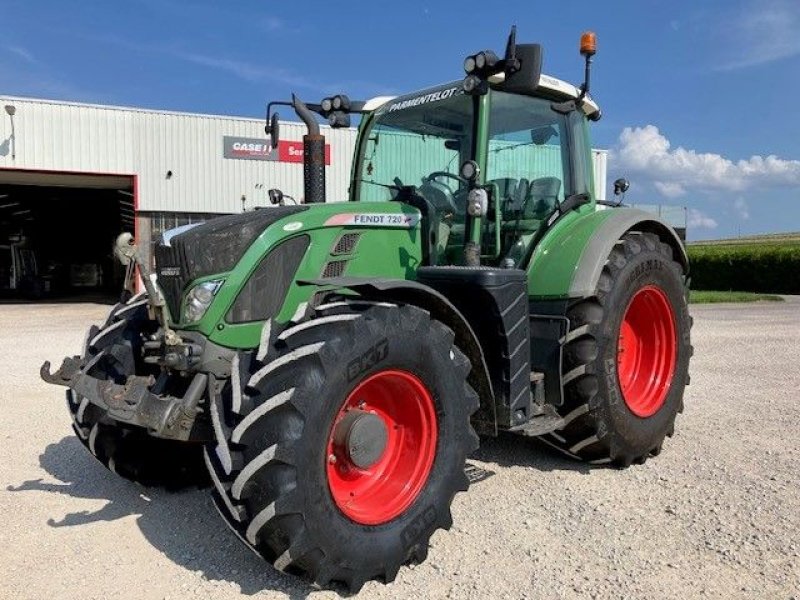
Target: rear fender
605 237
568 261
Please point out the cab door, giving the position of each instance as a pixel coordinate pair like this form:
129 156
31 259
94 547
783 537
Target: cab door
527 169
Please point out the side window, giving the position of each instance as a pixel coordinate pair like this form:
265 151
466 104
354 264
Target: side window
528 162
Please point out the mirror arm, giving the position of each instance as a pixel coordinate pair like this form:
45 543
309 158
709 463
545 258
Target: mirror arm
275 103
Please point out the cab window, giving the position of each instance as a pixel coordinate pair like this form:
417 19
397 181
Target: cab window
527 166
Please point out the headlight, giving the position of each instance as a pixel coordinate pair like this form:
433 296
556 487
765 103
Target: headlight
199 299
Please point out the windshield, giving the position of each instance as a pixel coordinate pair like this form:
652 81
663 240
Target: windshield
419 141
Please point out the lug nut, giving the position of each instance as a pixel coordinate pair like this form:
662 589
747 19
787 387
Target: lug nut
332 459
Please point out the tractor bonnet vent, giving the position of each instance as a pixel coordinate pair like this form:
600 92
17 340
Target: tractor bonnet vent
346 244
334 268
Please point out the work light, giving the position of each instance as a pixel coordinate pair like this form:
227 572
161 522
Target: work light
469 64
199 299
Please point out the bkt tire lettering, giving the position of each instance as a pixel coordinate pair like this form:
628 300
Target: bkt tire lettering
369 359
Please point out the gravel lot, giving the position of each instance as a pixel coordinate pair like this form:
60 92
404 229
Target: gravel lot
716 515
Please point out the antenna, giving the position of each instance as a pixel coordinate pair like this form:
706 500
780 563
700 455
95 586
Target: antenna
511 62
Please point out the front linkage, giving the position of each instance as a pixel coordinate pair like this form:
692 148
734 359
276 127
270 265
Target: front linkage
120 373
134 402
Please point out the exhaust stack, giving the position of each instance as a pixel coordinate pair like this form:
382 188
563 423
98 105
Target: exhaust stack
313 155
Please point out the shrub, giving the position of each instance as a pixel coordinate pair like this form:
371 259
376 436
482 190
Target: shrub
766 267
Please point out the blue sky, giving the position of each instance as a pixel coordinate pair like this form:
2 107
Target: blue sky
700 98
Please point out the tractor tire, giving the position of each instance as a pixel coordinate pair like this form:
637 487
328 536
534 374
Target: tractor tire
343 453
626 357
125 450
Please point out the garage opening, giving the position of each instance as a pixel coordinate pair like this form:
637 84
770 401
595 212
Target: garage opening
57 232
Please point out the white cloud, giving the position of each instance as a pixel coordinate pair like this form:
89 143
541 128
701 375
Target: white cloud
673 171
247 71
742 209
698 220
24 54
670 189
763 32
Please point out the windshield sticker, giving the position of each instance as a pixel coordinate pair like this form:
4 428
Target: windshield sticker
432 97
374 220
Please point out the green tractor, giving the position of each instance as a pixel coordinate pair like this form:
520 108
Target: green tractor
330 365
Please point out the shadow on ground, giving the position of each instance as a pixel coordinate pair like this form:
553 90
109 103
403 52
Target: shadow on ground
510 450
184 526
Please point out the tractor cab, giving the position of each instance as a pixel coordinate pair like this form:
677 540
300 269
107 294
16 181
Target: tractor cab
432 148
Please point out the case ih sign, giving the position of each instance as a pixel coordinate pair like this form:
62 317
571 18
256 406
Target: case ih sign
258 149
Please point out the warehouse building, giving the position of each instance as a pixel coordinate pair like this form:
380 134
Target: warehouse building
73 176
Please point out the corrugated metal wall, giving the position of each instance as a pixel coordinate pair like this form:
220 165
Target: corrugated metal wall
600 161
61 136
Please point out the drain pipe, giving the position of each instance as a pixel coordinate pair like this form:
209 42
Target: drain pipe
313 154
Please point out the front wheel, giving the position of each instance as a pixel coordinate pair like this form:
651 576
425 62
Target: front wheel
113 353
626 357
344 453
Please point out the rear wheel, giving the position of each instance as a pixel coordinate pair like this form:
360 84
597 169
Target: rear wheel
626 358
345 451
129 451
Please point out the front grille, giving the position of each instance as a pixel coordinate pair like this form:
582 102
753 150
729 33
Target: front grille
171 271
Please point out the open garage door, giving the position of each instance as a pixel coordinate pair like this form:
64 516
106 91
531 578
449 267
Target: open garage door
57 232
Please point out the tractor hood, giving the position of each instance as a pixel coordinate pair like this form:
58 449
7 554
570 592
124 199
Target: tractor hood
251 263
209 248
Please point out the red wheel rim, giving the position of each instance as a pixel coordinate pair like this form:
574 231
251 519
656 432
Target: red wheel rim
646 351
385 489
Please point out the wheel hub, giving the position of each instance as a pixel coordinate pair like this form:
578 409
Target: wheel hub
361 437
381 447
647 351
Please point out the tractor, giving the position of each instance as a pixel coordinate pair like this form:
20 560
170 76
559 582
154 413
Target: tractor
328 367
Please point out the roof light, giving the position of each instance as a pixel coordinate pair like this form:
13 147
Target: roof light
485 60
469 64
588 43
341 102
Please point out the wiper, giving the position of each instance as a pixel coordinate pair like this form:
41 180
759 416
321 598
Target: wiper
389 186
502 148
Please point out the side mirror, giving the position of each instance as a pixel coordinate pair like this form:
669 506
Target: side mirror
273 130
275 196
621 186
526 79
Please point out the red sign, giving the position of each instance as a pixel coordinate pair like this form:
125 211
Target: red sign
293 152
259 149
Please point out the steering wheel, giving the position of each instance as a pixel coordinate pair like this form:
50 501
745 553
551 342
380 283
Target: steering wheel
441 195
437 174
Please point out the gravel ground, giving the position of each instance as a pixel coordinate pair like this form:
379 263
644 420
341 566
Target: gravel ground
716 515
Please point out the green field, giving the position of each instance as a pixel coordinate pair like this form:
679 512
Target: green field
768 264
712 297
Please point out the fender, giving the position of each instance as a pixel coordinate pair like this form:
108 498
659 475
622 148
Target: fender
569 260
606 235
423 296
